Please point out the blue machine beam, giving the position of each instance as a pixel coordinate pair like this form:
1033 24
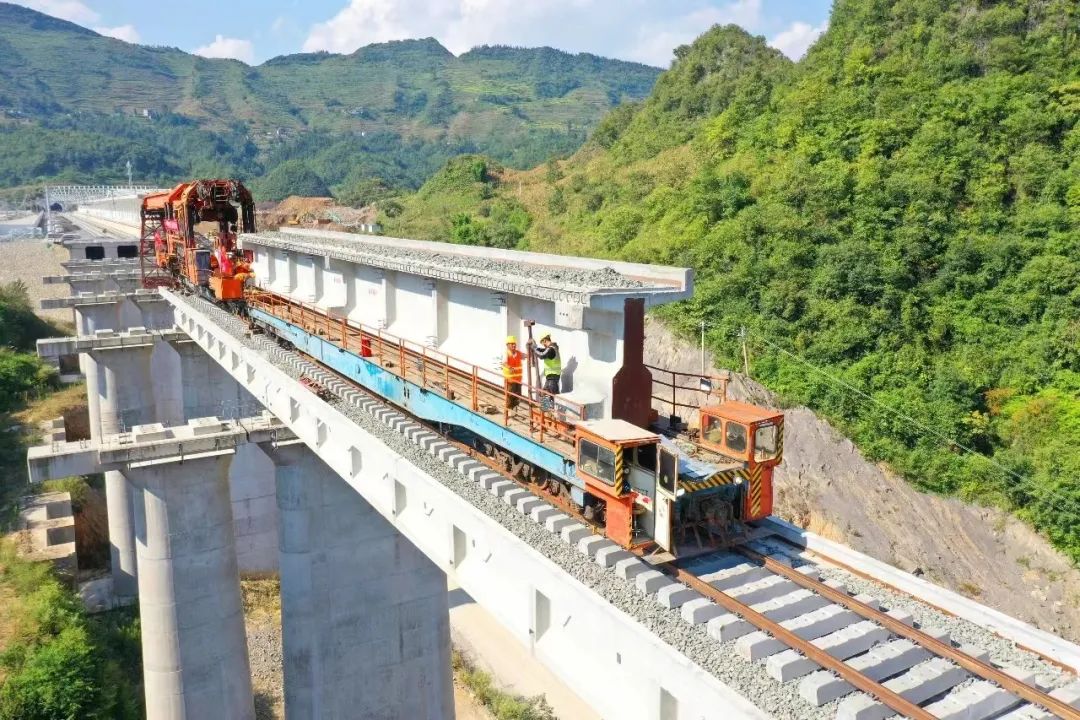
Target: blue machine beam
419 401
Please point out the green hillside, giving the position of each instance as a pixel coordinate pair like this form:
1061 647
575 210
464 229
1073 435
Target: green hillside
72 105
895 220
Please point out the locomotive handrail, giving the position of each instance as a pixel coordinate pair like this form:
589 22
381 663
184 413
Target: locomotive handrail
716 380
547 413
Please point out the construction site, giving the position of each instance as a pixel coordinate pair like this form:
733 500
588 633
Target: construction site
384 423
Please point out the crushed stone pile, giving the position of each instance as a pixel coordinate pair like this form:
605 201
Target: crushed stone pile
546 275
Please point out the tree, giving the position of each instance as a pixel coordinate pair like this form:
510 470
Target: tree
291 178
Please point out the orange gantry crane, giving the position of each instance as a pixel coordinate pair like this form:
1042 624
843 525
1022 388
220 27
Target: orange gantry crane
188 239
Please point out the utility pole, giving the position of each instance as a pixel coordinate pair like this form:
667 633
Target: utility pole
745 355
702 348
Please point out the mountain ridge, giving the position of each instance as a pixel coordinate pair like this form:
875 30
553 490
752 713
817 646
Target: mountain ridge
520 105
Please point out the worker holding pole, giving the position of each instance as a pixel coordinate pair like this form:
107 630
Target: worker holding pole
549 353
512 371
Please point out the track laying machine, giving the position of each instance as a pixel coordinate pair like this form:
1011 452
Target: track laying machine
654 484
188 239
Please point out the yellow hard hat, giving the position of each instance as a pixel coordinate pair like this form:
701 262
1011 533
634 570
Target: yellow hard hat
545 336
511 339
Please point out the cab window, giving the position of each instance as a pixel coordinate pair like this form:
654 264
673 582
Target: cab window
765 442
646 456
735 437
669 470
597 461
712 430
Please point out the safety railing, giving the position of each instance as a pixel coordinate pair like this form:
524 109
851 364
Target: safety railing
703 388
541 414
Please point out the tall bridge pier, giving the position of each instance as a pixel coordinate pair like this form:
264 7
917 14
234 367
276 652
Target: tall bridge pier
195 662
364 613
365 621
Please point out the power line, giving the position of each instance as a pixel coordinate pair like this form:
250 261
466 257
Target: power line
1026 481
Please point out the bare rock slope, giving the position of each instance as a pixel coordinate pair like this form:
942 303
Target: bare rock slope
825 485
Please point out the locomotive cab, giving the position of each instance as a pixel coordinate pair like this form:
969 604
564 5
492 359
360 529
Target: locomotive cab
752 436
631 478
743 432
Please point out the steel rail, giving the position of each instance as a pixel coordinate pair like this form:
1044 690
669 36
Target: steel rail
830 560
939 648
894 700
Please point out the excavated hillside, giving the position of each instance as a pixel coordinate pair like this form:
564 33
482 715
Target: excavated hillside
826 485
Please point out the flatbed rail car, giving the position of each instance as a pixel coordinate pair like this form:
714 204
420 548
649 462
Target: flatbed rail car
635 484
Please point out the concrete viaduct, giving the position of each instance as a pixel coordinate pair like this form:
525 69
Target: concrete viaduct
218 460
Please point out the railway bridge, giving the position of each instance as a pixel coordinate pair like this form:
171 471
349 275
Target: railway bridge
220 458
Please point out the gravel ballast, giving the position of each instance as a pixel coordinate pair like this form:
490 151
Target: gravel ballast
720 659
962 632
376 254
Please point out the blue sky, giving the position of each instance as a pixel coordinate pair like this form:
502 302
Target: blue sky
642 30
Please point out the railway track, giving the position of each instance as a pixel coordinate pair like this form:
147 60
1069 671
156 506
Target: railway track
833 644
840 649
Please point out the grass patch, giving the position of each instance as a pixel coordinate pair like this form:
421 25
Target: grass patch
262 597
503 705
970 590
55 661
53 405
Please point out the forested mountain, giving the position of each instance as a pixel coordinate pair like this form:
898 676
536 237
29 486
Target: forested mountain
895 220
74 105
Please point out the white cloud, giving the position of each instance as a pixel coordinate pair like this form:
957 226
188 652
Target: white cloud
72 10
642 30
226 47
127 33
797 39
79 12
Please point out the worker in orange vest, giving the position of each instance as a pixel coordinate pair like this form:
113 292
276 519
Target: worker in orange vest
512 370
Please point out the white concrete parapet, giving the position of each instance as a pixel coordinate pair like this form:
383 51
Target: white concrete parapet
121 211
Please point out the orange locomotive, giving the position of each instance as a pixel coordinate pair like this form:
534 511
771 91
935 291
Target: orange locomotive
174 253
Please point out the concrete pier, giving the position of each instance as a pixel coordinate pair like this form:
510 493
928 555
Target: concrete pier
365 621
122 396
208 389
195 662
120 501
254 508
